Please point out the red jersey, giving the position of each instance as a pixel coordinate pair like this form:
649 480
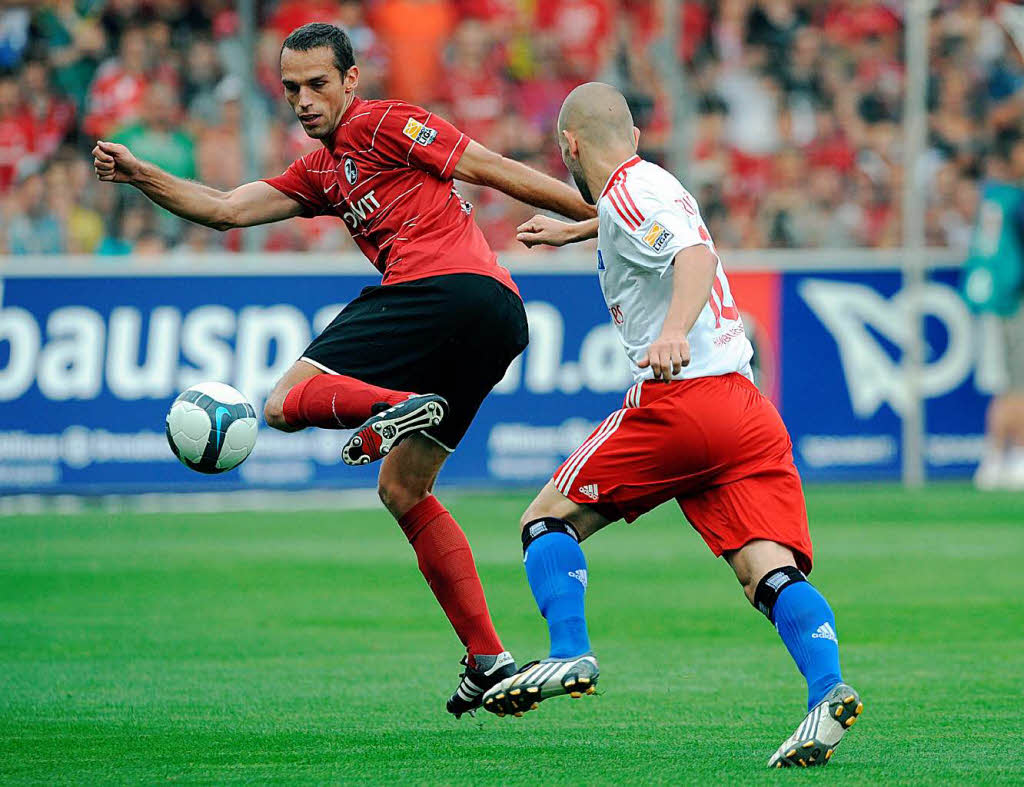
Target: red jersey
388 175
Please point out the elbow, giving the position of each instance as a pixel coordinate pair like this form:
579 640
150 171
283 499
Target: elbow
225 218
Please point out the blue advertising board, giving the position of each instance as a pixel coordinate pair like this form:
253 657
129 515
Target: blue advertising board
844 392
89 366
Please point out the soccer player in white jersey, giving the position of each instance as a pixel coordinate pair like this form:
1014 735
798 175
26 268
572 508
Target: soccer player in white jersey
693 428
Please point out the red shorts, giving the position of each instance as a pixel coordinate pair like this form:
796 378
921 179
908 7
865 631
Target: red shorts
715 444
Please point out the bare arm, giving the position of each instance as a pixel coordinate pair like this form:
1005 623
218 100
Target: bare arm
691 287
484 167
245 206
552 232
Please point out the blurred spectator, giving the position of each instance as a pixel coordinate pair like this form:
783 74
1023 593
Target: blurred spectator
15 133
414 33
50 117
133 222
74 43
34 228
14 27
472 86
158 136
115 97
994 284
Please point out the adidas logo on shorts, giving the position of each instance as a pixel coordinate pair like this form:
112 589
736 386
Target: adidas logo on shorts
825 631
590 490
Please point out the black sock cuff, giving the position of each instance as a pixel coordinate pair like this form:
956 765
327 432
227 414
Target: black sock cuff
549 524
772 584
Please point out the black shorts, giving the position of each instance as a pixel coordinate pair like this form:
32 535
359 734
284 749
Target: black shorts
453 335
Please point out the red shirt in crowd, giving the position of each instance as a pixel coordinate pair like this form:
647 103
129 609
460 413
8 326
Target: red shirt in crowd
15 145
582 27
387 174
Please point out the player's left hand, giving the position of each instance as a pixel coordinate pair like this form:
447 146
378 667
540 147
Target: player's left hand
667 356
544 230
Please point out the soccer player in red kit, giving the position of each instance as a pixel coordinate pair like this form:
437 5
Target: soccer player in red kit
409 362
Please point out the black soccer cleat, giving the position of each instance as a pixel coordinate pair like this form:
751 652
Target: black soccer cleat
383 431
487 671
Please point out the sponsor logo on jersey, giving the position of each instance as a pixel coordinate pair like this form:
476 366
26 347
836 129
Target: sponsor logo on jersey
657 236
351 172
419 133
359 211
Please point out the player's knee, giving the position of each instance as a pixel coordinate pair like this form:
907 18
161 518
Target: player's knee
529 515
398 494
273 414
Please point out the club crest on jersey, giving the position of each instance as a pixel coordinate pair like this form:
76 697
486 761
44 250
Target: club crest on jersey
351 172
657 237
419 133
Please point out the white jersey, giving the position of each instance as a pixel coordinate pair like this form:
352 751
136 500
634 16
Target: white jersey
646 218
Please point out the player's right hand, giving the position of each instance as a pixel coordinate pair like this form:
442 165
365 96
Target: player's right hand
667 356
544 230
114 163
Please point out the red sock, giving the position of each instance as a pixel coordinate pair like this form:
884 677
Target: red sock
447 564
334 401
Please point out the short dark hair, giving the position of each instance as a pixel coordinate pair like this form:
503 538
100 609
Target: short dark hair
318 34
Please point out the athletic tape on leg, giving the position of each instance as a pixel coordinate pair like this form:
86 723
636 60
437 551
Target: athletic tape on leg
545 525
771 585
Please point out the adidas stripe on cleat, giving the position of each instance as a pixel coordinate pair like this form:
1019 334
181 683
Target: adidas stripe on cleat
541 680
485 673
383 431
817 737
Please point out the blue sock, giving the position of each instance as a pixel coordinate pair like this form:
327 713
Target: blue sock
557 573
806 624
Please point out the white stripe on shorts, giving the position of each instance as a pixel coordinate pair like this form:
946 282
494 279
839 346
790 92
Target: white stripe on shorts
568 481
568 464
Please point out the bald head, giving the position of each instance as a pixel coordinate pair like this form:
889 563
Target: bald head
597 113
595 135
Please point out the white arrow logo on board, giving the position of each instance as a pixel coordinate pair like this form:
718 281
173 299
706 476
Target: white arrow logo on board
873 376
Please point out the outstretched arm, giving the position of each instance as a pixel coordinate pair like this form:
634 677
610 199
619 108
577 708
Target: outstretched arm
484 167
544 230
245 206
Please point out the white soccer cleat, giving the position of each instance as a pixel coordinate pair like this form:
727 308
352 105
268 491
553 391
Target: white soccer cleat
541 680
817 737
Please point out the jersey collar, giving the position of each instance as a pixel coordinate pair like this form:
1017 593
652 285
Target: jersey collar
330 142
630 162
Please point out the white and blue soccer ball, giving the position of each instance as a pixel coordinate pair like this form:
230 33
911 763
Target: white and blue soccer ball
211 428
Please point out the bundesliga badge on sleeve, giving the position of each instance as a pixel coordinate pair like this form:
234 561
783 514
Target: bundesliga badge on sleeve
657 236
419 133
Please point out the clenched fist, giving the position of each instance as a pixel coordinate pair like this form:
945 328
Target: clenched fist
544 230
114 163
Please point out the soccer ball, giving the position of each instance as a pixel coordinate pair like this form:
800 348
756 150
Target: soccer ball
211 428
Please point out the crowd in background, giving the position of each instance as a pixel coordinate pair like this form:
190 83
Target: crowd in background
792 109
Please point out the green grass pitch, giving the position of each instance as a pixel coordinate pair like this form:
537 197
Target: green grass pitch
305 647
